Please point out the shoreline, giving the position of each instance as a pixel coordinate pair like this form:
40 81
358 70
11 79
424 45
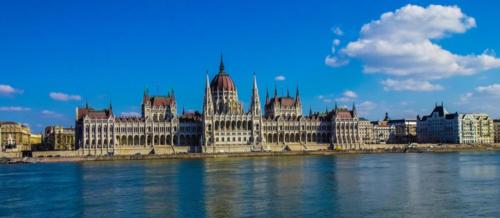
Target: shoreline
192 156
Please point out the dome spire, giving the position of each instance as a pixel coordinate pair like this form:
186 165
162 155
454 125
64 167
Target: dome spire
221 66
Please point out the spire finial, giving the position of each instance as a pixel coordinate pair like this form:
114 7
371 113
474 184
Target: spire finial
287 92
221 66
275 90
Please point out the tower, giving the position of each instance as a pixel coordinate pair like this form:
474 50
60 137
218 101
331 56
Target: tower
208 106
255 107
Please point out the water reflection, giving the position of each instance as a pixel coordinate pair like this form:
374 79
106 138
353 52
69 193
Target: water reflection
383 185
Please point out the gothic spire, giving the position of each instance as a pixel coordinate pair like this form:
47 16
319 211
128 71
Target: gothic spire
267 96
354 112
275 91
297 96
255 106
207 103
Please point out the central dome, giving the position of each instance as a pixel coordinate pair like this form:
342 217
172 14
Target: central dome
222 81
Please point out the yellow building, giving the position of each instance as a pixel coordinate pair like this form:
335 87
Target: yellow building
59 138
14 137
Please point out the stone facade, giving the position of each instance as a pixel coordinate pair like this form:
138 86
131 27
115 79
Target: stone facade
405 131
366 131
59 138
443 127
14 137
496 127
223 126
383 132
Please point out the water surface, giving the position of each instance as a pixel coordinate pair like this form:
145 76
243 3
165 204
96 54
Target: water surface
375 185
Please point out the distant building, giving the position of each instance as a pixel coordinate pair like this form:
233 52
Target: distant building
366 131
59 138
383 132
405 131
14 136
443 127
496 127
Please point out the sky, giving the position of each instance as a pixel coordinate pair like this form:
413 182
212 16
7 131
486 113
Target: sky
393 56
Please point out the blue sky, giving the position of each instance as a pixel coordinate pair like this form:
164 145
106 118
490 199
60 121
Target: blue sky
56 55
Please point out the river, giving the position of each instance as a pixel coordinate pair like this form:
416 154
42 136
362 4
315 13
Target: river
364 185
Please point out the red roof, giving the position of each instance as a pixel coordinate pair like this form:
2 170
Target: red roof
222 82
157 101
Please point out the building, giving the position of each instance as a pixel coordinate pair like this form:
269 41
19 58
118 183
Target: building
485 130
14 137
223 126
496 127
366 131
405 131
443 127
59 138
383 132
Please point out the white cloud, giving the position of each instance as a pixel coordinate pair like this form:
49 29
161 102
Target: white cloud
9 90
488 93
335 61
410 85
337 31
59 96
366 107
130 114
14 109
280 78
51 114
493 89
350 94
400 44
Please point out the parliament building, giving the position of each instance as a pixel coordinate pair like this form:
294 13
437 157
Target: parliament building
224 126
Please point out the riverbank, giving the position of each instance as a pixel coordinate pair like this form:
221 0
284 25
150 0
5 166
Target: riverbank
432 148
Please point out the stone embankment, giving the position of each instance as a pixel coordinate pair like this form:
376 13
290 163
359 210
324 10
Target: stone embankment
69 156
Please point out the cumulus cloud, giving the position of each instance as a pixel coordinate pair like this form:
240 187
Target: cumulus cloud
280 78
400 44
59 96
493 89
350 94
410 85
14 109
9 90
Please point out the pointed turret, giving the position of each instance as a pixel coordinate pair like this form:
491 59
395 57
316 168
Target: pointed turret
208 107
310 111
336 106
172 95
297 97
275 90
267 96
386 118
287 93
255 105
145 97
354 111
